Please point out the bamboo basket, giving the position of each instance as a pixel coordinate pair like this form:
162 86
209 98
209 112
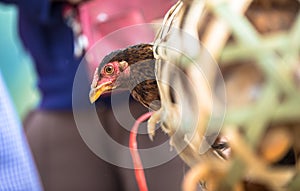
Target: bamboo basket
256 45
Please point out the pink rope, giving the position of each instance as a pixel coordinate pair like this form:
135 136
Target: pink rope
138 166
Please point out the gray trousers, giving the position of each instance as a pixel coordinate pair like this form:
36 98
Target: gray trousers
65 163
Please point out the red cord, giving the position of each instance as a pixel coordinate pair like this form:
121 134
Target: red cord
138 166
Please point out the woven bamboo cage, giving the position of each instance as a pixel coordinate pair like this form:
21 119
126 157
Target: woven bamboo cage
256 45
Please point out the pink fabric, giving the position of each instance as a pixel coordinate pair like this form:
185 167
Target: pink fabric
99 18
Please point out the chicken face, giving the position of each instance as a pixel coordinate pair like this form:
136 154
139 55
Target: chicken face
107 78
130 69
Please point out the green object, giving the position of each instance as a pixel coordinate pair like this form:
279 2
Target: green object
16 65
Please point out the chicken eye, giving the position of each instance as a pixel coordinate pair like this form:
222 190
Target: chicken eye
109 69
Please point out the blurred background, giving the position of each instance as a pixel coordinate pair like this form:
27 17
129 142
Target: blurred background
16 64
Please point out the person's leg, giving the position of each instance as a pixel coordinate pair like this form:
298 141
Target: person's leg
64 161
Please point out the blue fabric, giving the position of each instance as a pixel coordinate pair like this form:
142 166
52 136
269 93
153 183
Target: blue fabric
50 42
17 170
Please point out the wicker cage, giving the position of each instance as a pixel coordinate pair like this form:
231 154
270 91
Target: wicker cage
256 45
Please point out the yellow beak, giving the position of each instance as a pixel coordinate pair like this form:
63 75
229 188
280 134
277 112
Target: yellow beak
97 91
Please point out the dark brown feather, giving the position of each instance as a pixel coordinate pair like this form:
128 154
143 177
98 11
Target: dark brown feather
142 82
131 55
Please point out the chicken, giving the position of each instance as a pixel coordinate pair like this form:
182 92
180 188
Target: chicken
132 69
